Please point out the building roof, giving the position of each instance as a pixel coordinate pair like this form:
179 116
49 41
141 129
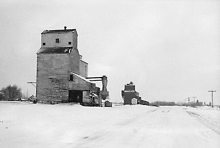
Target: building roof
83 61
81 77
47 50
59 31
80 83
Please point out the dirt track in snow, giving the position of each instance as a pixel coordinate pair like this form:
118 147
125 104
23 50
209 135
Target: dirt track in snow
28 125
160 127
214 125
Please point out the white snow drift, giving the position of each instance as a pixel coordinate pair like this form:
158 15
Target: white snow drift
26 125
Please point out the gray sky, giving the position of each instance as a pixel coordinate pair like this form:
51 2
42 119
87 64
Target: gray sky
169 49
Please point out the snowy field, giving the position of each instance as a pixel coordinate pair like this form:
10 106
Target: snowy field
26 125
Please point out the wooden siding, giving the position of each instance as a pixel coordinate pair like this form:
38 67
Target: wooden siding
83 68
80 84
64 39
74 61
52 76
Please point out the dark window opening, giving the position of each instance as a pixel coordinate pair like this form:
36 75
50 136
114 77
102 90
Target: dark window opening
71 77
44 43
57 40
69 43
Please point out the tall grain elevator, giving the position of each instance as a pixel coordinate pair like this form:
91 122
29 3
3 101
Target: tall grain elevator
61 72
131 96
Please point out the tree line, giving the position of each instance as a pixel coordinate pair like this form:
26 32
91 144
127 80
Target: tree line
164 103
10 93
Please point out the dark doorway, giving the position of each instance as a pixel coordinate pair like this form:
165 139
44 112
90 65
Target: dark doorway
75 96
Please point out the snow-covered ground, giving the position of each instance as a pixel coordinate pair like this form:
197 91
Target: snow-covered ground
26 125
208 116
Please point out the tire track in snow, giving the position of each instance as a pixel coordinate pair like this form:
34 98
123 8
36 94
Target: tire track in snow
211 125
113 131
134 119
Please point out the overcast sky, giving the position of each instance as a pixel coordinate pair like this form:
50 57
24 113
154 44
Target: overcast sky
169 49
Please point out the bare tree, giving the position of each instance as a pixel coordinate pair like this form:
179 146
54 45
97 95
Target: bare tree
11 93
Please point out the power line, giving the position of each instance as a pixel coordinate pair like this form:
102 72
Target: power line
33 83
212 91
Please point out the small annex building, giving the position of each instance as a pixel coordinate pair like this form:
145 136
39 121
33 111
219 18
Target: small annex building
61 72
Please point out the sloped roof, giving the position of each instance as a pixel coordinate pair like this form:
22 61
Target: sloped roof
58 31
47 50
83 61
81 77
80 83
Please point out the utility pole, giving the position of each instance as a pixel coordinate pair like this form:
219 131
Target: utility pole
212 95
194 100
